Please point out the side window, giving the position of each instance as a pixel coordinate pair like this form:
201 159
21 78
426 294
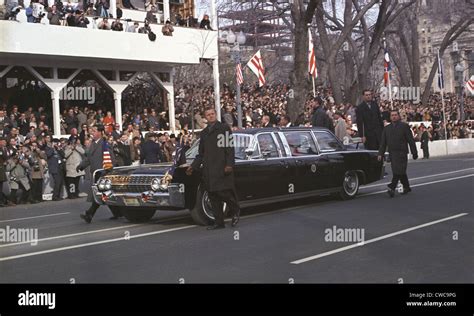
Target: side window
266 143
301 143
327 142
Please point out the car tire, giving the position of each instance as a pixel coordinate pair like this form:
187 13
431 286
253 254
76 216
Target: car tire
350 185
199 213
137 214
202 213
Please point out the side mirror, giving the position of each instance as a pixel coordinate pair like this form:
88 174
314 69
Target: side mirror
248 152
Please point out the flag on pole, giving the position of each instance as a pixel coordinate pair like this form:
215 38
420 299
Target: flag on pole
255 64
239 75
470 85
440 73
387 67
313 71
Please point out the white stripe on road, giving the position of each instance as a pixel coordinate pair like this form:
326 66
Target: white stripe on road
94 243
23 218
417 178
92 232
69 235
422 184
328 253
164 231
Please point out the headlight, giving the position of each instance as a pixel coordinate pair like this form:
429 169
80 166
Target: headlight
101 184
155 184
107 184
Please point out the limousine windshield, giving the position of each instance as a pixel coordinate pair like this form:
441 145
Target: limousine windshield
241 143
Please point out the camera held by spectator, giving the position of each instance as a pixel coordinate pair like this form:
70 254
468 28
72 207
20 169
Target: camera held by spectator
13 12
38 12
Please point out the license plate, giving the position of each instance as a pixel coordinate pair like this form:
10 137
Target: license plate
131 202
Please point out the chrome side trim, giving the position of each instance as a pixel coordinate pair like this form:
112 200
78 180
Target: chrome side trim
289 197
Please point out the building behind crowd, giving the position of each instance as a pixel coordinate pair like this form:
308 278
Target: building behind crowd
432 27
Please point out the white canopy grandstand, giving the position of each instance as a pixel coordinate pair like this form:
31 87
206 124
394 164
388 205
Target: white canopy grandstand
55 55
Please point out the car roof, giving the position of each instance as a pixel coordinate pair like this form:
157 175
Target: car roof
278 129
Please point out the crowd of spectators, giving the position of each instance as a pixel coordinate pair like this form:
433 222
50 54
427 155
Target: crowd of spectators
29 153
82 13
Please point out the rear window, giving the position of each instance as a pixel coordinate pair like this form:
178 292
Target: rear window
327 142
301 143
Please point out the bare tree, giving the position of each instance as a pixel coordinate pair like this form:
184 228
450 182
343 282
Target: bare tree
460 17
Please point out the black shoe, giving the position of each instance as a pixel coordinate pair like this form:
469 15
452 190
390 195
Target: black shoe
215 227
58 199
391 192
406 190
235 220
86 218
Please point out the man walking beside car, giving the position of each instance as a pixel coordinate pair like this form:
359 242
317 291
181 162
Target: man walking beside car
397 136
216 155
95 159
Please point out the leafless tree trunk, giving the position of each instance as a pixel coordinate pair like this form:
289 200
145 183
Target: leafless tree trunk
451 35
299 76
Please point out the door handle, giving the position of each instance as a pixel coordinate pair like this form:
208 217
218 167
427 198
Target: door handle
299 161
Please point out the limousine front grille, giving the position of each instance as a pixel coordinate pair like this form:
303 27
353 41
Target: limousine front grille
132 184
130 188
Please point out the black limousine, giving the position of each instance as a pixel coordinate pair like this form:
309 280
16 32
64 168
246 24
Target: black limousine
272 165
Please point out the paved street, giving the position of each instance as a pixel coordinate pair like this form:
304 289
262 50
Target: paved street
423 237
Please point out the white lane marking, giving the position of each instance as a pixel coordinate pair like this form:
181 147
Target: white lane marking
422 184
328 253
23 218
94 243
91 232
417 178
183 227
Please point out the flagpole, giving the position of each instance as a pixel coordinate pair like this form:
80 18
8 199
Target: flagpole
388 74
441 87
314 87
390 91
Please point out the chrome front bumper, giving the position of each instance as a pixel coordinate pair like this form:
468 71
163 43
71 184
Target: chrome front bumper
173 198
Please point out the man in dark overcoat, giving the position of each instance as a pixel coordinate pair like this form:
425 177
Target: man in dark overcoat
94 159
151 150
425 139
216 155
397 136
369 121
3 176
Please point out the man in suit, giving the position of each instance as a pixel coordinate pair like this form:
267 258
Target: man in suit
56 166
94 160
320 117
3 176
425 139
284 121
369 121
217 168
397 136
151 150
